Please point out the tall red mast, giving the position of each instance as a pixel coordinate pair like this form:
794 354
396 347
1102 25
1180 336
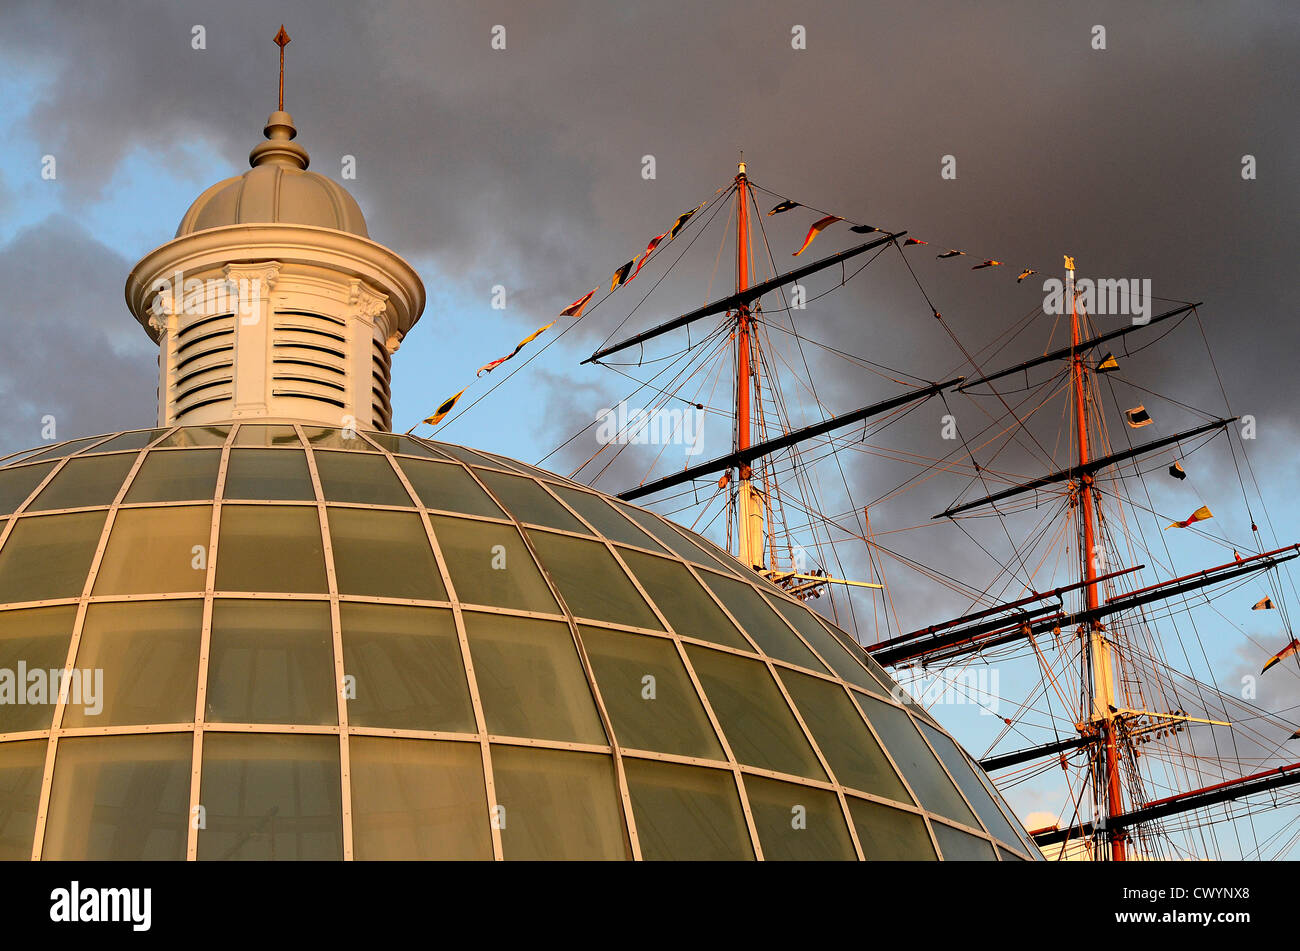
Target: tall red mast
750 508
1099 649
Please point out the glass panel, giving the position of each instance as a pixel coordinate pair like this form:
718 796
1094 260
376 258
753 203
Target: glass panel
831 650
404 444
120 797
591 581
176 476
517 466
49 556
923 772
22 766
675 541
418 799
605 519
12 458
529 502
958 846
890 835
271 796
683 600
195 436
852 752
156 550
761 622
884 681
728 562
1022 834
1009 856
67 449
798 822
384 554
149 655
556 805
272 662
352 477
686 812
407 668
448 487
530 679
960 767
17 483
84 482
271 474
335 439
32 643
490 565
429 445
136 440
754 716
650 700
270 548
266 436
466 455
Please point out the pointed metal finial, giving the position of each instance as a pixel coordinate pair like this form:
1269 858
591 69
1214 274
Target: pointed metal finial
282 40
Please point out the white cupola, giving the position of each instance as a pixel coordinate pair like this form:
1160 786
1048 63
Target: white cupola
272 303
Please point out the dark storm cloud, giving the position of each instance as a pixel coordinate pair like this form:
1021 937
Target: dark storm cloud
523 166
68 356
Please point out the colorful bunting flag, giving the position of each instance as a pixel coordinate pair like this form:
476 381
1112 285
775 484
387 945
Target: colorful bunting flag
444 409
989 263
645 255
1283 654
1200 515
817 228
951 253
865 229
576 308
1025 273
680 223
621 275
489 367
1108 364
1177 471
783 206
1264 604
1138 417
914 241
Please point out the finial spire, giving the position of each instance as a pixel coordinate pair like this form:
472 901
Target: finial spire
281 40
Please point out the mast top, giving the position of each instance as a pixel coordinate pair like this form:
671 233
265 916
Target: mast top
740 166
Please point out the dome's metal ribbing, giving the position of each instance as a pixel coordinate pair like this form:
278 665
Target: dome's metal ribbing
290 642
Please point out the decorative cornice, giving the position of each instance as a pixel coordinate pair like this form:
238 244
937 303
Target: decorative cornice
381 269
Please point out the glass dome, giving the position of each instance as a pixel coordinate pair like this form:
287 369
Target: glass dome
285 642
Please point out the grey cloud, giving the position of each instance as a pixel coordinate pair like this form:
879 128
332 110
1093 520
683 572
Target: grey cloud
71 357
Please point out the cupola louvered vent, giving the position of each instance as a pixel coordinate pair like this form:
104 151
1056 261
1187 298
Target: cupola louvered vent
309 357
204 363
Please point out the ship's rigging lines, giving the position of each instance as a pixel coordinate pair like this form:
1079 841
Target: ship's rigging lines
1156 759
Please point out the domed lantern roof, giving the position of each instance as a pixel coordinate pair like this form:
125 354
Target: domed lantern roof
277 189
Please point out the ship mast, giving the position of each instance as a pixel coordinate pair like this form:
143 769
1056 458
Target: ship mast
1106 766
749 504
